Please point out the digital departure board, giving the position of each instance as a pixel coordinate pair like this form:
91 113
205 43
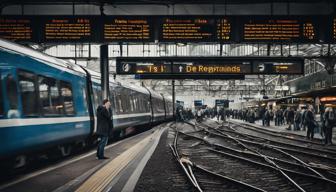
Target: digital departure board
128 29
67 29
206 67
182 28
223 27
276 67
146 67
187 29
16 28
279 30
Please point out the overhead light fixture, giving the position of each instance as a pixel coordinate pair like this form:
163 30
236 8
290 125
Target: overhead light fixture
181 44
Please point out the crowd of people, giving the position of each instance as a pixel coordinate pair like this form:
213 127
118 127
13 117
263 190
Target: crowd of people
302 120
294 119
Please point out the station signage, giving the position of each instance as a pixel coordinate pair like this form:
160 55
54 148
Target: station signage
278 66
182 28
17 28
198 103
127 29
67 29
207 67
222 102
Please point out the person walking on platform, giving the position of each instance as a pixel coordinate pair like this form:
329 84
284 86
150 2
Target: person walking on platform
329 121
297 120
104 125
263 118
310 122
285 114
267 118
303 119
290 118
282 120
222 115
279 114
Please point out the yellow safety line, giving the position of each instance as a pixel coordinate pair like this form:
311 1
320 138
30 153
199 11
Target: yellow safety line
99 180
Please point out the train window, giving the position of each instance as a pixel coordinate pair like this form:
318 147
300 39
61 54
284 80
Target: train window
131 102
111 98
120 107
28 93
148 105
115 103
99 96
95 98
141 107
11 92
125 101
50 97
85 93
136 104
66 92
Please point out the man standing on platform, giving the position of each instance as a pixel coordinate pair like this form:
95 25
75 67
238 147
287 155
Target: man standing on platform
290 118
104 125
297 120
310 122
329 118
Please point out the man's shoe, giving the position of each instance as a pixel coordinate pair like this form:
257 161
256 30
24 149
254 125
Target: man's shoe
105 157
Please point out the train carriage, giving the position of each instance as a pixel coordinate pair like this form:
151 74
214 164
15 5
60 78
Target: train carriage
43 103
47 102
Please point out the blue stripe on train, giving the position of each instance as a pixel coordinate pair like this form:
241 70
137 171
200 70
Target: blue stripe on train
26 138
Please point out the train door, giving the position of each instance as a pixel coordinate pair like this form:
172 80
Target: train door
10 102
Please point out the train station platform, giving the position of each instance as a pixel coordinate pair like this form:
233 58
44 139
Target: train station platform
144 162
85 172
282 129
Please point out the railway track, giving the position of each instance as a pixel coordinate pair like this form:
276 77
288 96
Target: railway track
317 156
282 136
214 160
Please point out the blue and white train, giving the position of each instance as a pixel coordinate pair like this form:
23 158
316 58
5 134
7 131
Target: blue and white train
49 103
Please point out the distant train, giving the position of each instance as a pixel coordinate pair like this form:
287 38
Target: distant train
49 103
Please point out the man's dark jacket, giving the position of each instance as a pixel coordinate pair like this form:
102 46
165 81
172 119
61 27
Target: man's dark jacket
104 122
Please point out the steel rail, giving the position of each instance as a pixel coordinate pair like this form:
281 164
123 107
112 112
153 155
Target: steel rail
258 163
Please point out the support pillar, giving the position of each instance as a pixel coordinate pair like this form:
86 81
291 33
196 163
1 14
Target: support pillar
104 70
173 94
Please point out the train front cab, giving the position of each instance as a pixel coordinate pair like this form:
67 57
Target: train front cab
38 108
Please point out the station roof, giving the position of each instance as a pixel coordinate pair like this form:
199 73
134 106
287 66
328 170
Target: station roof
165 2
251 85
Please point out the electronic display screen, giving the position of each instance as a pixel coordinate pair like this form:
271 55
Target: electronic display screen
17 28
293 67
211 67
68 29
186 29
183 28
207 67
128 29
279 29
